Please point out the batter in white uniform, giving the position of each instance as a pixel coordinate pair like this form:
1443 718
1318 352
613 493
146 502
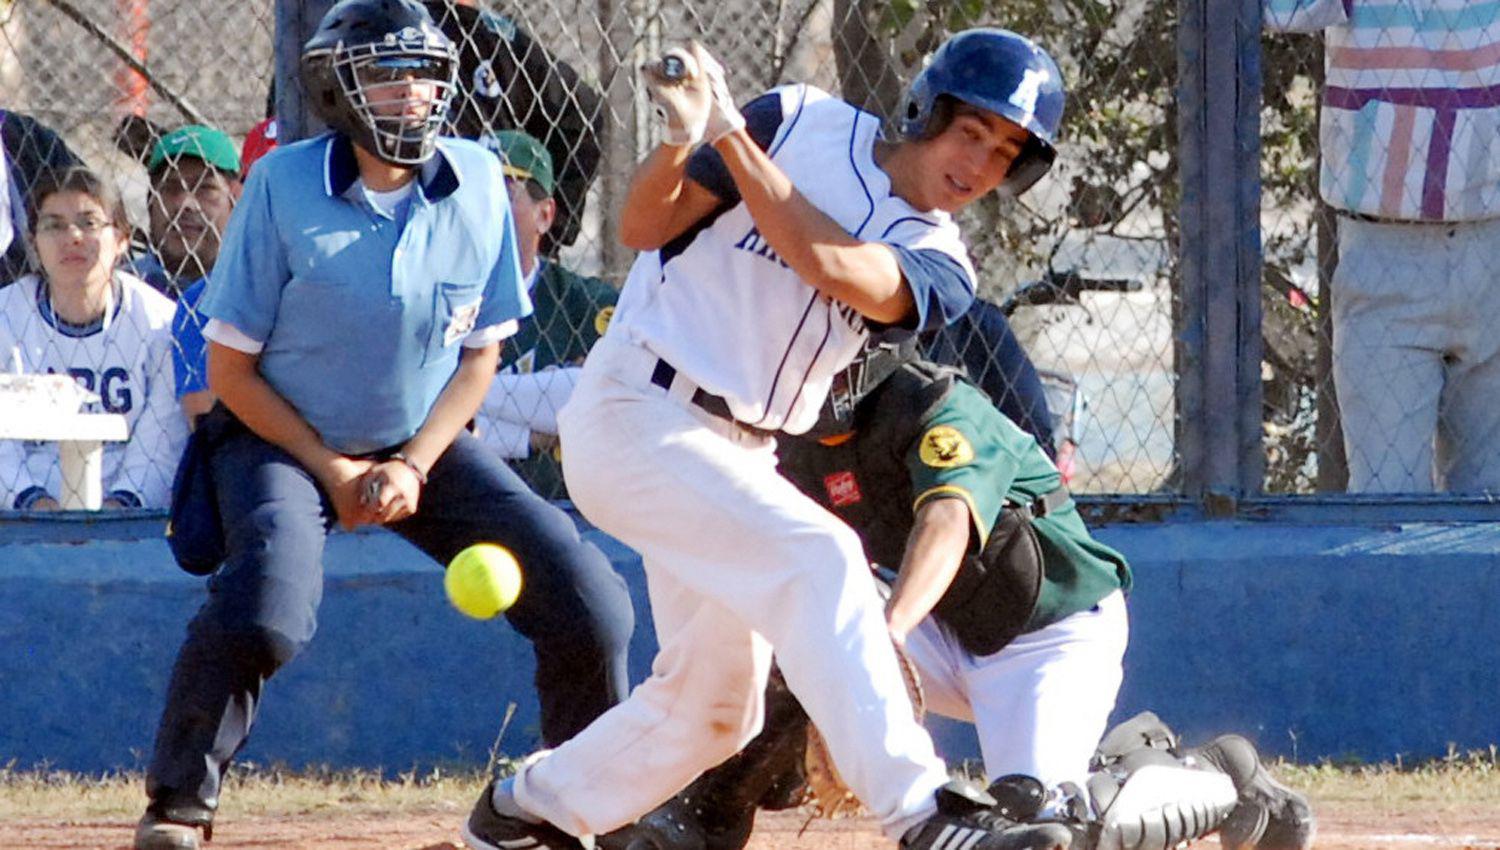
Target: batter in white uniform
770 255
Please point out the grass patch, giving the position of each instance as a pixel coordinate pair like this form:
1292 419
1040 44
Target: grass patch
249 790
1457 779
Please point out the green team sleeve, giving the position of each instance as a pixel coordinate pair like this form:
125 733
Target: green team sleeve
960 455
589 304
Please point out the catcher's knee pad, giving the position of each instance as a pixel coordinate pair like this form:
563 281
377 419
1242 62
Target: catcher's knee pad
1158 806
1270 815
1138 740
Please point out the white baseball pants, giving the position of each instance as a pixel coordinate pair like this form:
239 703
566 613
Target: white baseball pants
737 562
1041 704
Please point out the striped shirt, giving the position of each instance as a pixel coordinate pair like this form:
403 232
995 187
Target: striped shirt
1411 104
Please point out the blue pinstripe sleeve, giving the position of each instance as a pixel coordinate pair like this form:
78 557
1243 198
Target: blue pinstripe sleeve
941 288
763 117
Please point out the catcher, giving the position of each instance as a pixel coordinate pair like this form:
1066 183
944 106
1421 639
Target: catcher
1025 637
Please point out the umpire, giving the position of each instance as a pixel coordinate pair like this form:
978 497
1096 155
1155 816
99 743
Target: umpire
355 316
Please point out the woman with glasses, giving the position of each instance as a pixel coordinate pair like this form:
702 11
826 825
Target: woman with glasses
81 315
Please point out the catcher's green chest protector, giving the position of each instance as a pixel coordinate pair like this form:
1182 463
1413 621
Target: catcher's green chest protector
866 481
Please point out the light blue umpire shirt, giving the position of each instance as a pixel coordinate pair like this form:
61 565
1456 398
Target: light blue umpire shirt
359 313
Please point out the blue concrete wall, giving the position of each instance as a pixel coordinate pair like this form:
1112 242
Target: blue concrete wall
1316 641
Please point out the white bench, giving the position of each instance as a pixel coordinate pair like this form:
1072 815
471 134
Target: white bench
80 439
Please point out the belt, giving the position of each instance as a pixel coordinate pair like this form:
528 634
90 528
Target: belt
1376 219
714 405
1044 504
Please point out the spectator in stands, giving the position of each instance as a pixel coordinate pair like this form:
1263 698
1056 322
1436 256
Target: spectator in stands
28 151
195 182
509 81
540 364
1408 162
260 141
84 316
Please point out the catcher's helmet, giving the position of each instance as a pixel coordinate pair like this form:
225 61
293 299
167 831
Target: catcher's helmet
1001 72
360 47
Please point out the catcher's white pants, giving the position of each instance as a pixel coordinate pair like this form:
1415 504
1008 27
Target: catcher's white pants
1041 704
737 561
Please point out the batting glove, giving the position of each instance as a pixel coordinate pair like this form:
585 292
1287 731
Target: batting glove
686 86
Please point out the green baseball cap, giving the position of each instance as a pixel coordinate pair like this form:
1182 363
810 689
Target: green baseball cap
197 141
522 156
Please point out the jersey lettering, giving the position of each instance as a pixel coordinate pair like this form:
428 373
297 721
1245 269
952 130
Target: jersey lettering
851 316
757 245
113 387
114 390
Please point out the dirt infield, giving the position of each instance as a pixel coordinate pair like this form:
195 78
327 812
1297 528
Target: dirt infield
1344 826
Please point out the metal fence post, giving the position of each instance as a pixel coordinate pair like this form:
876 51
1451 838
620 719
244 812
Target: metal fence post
295 22
1219 338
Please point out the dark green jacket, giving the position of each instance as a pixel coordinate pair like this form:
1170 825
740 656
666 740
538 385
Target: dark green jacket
918 438
569 314
32 150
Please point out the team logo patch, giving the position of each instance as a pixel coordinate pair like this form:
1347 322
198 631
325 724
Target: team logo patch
486 84
461 324
843 489
944 446
602 320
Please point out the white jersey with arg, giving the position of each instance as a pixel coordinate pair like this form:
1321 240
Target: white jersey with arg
126 361
729 314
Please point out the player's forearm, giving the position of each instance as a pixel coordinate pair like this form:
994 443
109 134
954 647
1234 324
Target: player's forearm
455 406
864 275
1303 16
651 216
235 378
935 550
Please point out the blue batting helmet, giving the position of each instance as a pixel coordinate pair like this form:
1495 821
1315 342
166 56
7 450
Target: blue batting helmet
1001 72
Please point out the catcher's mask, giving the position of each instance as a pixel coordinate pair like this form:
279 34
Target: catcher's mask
1001 72
878 361
382 73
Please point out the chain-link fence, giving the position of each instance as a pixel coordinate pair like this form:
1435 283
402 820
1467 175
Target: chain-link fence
110 78
1086 266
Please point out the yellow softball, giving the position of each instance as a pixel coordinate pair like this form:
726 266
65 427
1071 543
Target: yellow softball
483 580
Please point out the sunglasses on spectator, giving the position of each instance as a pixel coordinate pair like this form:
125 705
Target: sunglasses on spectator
54 225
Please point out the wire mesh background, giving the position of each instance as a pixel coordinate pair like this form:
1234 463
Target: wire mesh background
1107 210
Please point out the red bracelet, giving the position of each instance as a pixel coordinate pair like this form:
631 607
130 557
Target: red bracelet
421 476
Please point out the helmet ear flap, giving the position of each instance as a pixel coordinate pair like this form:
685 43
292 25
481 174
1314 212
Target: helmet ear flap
1029 166
941 115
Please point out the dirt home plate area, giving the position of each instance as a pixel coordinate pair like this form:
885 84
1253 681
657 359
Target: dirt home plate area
1343 826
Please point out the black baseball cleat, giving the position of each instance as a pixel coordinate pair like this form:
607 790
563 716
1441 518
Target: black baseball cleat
1269 816
488 828
967 818
157 832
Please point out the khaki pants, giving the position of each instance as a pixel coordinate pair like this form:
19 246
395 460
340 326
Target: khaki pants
1416 355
